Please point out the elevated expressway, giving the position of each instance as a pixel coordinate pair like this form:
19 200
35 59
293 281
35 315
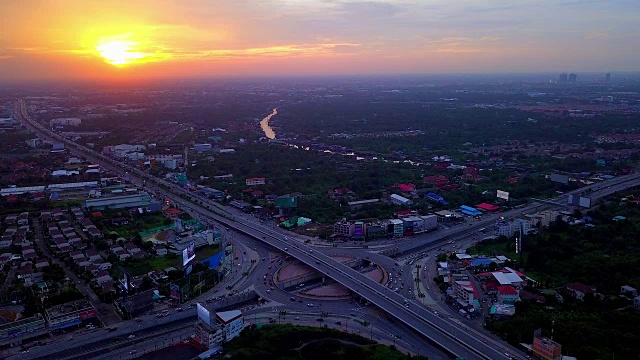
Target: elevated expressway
443 332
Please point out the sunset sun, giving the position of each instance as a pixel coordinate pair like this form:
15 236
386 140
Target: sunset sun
119 52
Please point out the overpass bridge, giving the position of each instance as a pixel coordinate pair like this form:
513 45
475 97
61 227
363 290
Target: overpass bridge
447 334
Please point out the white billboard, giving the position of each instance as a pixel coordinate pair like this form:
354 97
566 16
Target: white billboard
124 280
204 315
502 195
559 178
585 202
189 253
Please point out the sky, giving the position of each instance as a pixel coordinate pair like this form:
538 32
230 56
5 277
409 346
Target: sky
86 39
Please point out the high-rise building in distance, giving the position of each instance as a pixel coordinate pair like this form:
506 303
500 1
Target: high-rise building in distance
607 77
573 78
563 78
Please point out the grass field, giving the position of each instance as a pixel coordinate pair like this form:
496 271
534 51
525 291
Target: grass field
136 225
494 247
140 267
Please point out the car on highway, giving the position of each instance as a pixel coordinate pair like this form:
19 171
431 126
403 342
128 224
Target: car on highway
131 336
133 351
310 305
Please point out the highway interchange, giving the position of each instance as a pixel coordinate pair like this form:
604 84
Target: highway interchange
440 330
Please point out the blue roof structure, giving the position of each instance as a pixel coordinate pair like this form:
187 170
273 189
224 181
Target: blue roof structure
437 198
214 261
481 262
467 210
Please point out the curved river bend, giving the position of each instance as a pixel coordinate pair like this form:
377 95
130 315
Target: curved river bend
264 124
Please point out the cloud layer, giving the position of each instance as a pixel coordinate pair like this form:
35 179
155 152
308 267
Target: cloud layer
49 39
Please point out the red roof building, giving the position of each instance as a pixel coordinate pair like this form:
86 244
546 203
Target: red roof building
434 179
487 207
171 212
507 290
405 187
403 213
470 171
12 198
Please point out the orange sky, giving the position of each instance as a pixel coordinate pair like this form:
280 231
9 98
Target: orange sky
49 39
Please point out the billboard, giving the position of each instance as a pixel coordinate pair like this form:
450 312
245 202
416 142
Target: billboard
502 195
581 201
573 200
124 279
174 291
199 285
189 253
585 202
562 179
358 231
88 314
204 315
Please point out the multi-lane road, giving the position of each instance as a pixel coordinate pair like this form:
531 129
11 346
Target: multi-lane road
442 331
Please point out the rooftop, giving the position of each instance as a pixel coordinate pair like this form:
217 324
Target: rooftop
228 316
68 308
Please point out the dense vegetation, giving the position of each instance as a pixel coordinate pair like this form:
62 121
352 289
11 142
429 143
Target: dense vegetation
603 255
293 342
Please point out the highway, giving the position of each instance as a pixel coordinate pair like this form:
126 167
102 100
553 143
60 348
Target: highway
441 331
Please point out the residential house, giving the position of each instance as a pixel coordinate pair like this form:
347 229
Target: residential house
93 255
579 290
103 277
628 291
105 266
75 255
25 273
122 255
507 294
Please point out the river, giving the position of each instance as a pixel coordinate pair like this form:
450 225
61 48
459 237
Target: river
264 124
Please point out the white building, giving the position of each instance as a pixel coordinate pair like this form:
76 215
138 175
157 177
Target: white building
543 218
202 147
430 222
232 323
168 161
508 276
65 122
209 336
514 227
464 292
134 156
255 181
7 122
400 200
227 325
33 143
120 151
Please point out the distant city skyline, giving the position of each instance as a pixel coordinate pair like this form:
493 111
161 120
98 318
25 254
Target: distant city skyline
72 39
